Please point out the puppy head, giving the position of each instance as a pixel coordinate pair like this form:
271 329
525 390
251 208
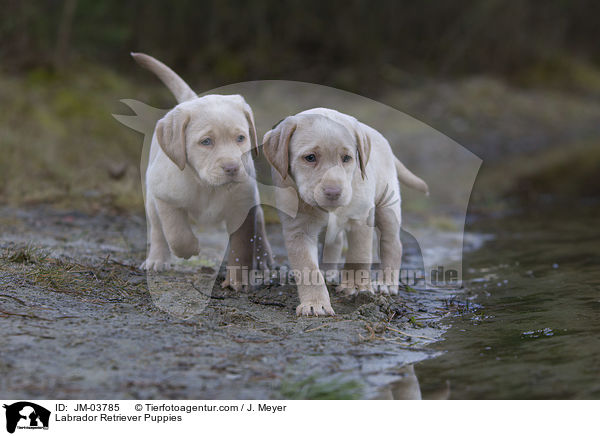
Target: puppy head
321 155
213 135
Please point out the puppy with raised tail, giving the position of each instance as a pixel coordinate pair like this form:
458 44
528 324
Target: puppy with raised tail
201 175
346 176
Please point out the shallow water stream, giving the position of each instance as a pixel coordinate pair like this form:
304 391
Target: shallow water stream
534 331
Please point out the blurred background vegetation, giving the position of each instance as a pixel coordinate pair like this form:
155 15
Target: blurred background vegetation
358 45
506 79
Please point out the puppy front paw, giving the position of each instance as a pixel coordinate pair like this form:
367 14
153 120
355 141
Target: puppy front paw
265 263
387 289
350 289
316 307
333 278
232 284
155 264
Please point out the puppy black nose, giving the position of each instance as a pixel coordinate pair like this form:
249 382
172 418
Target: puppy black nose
230 169
332 193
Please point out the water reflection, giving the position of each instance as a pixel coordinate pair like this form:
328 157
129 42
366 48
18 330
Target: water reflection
408 388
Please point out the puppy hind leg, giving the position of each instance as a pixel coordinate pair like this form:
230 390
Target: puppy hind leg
332 257
262 248
241 251
356 274
388 223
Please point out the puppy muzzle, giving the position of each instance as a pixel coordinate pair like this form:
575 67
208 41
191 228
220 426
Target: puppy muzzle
331 196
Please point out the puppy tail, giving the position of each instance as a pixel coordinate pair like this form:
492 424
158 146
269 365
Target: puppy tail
176 85
409 179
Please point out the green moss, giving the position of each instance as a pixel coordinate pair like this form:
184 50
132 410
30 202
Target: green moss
74 278
62 139
562 71
567 175
312 389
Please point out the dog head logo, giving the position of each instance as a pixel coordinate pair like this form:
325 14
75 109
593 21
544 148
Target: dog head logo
26 415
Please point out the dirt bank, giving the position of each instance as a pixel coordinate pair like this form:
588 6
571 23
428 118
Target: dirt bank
78 321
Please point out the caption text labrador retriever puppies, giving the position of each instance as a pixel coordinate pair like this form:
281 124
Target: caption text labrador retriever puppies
346 176
200 174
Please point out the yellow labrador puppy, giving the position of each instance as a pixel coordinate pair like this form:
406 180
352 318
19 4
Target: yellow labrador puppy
346 176
200 174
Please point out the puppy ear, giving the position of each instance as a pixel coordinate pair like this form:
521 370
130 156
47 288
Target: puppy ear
363 145
251 127
276 144
170 133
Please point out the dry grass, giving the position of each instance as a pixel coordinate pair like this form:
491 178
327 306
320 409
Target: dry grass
28 254
69 277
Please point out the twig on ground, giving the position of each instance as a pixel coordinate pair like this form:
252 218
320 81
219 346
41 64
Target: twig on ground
267 303
214 297
24 315
14 298
252 341
315 328
371 335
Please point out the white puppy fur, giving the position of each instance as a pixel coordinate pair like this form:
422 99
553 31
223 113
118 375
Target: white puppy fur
347 178
200 175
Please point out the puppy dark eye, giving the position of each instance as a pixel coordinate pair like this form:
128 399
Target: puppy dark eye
241 138
346 158
206 141
310 158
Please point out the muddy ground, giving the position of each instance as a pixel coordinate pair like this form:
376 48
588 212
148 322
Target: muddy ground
79 320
